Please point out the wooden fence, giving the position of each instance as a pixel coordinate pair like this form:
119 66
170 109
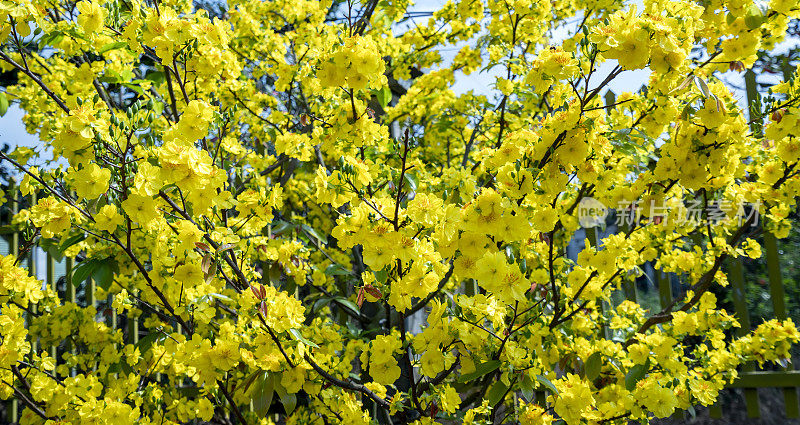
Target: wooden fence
57 274
749 379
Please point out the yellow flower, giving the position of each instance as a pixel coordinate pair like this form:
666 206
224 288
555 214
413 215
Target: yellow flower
108 218
91 16
634 51
449 400
91 181
188 275
141 209
544 219
574 399
385 373
534 415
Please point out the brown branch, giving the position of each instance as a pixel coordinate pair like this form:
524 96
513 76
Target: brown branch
700 287
243 282
234 407
29 403
423 302
348 385
399 185
35 79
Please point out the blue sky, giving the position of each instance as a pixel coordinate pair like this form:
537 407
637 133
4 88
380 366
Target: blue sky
13 132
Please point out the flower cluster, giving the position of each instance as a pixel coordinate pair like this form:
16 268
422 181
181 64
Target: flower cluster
293 208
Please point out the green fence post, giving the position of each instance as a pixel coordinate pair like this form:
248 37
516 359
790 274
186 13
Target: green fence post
664 288
628 285
742 313
69 289
715 410
51 283
14 251
91 299
89 291
779 306
32 271
737 275
113 316
629 289
133 329
69 297
591 237
664 284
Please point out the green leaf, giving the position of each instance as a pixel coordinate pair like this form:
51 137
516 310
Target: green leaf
526 386
353 329
158 108
50 39
112 46
617 365
635 374
3 104
480 370
104 274
412 181
85 269
212 271
754 17
289 401
349 304
546 382
134 87
49 246
496 392
298 336
188 392
701 84
336 270
147 341
274 273
245 386
263 391
322 302
126 368
310 230
157 77
226 247
68 242
384 96
121 366
289 285
281 227
381 275
110 76
592 366
753 21
221 297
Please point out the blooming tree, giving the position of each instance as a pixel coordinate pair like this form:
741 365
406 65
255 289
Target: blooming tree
270 190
